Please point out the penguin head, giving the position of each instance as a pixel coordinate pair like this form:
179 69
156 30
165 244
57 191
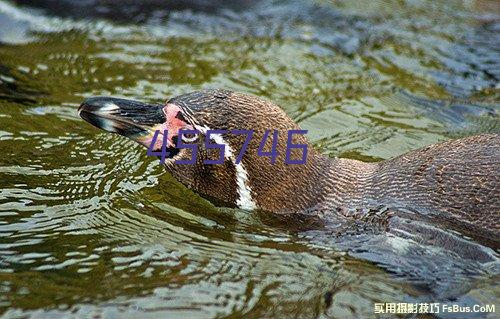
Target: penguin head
232 148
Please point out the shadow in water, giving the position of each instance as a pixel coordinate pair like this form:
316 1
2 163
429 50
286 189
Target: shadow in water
134 11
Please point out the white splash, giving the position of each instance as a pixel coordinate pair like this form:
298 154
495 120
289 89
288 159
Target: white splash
245 200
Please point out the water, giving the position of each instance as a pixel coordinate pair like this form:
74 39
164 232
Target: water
91 226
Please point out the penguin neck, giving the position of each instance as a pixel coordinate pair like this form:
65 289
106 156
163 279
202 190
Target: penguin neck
321 182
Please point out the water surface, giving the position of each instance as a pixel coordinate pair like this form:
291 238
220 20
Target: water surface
91 226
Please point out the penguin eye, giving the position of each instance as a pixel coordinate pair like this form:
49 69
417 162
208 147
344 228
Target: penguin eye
189 137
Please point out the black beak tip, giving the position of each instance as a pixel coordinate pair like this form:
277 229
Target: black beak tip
98 104
82 106
116 115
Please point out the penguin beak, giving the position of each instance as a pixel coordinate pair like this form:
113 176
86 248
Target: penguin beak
133 119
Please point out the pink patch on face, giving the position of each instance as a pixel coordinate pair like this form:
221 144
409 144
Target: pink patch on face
172 125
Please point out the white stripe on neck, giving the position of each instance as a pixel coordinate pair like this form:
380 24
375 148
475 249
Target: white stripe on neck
245 200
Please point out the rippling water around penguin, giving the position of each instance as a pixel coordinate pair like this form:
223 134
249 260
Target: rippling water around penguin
90 225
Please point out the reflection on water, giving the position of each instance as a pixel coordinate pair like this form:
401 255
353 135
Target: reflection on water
89 225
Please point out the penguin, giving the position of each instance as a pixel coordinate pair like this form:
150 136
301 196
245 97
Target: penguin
454 184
